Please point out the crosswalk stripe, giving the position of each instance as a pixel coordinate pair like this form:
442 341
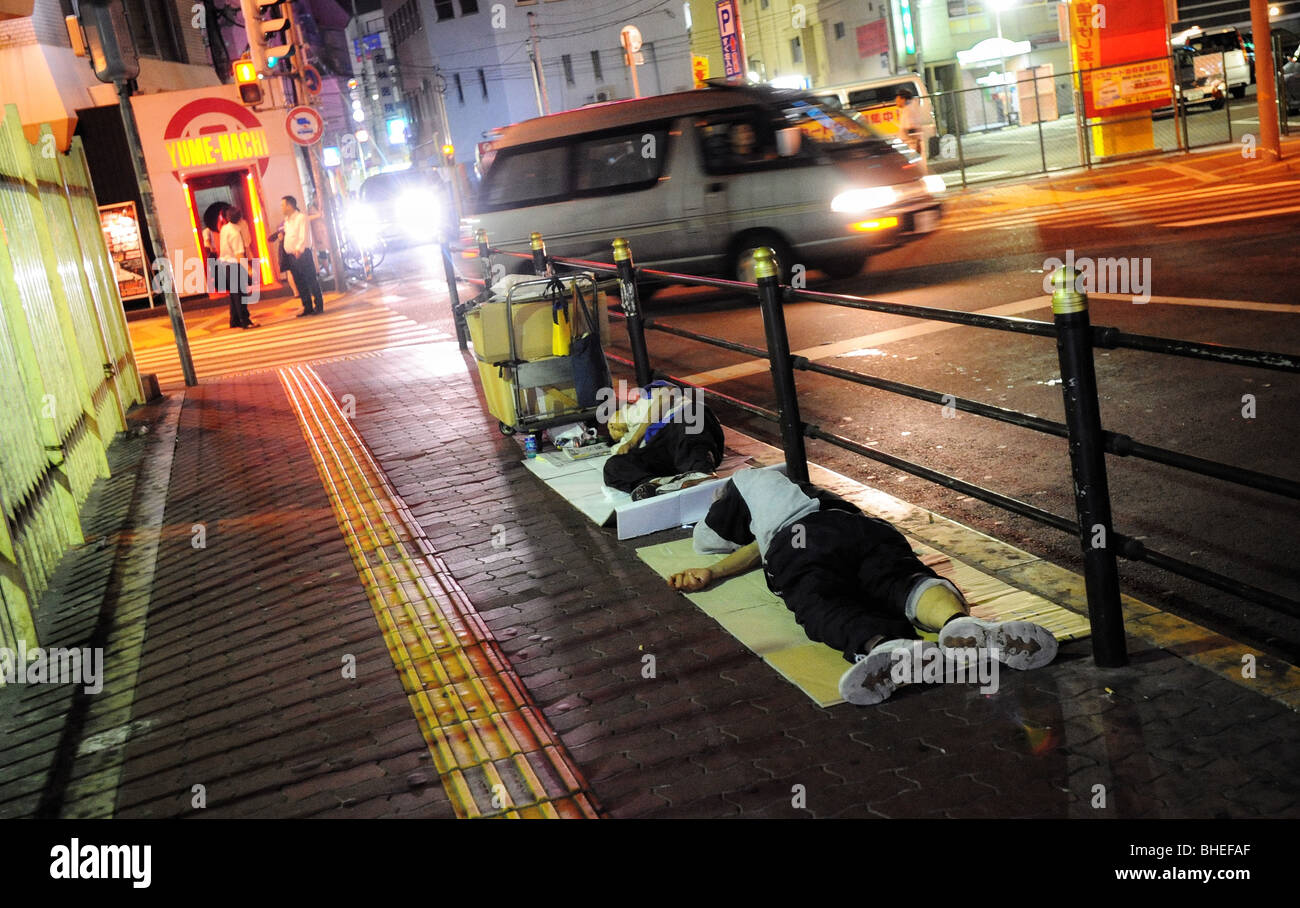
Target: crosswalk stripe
288 341
1143 209
1244 216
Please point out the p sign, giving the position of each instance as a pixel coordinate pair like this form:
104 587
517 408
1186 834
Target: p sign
304 125
733 55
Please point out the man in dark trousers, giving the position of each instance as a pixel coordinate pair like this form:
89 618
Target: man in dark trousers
668 440
851 580
301 262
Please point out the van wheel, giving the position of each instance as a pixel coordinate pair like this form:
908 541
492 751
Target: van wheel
744 247
848 266
1238 91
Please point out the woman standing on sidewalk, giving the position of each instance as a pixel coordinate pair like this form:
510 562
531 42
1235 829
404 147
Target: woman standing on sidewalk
238 281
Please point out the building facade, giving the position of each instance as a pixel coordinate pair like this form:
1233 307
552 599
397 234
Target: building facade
376 102
41 75
473 60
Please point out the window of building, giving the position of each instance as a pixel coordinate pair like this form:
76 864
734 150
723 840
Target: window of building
617 161
444 9
482 83
595 66
796 50
959 8
764 4
468 6
460 89
154 28
839 30
567 62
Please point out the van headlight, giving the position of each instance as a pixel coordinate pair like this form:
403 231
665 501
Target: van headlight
934 183
857 201
419 214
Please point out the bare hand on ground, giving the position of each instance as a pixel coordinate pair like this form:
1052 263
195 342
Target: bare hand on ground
691 579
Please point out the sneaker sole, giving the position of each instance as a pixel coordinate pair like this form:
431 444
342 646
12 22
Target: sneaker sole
1021 645
870 681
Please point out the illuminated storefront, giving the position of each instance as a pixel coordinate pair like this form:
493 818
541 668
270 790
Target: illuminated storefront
204 149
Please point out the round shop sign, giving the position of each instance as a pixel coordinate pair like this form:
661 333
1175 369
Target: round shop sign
304 125
215 132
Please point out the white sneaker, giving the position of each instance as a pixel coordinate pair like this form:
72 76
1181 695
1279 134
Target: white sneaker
1018 644
871 679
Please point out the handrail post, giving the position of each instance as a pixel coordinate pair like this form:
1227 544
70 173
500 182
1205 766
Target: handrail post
484 258
541 265
1088 466
632 309
453 294
778 351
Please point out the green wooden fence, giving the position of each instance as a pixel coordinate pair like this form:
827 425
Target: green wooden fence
67 370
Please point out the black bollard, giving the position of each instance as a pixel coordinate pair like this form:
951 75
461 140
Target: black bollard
778 353
632 309
1088 466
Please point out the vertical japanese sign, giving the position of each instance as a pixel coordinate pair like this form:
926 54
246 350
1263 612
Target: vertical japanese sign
1123 61
733 48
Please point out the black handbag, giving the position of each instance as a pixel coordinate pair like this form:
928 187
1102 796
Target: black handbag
590 370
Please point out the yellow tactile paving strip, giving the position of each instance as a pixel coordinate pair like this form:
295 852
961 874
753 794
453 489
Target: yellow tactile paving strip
492 747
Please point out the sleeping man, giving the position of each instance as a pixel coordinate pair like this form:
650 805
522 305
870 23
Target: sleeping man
851 580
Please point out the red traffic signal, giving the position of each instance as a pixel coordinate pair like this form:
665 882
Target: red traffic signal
250 89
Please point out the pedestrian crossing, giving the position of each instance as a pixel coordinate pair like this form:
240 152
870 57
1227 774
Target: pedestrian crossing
1169 208
282 339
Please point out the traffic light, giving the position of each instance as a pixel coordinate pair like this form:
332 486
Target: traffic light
448 153
250 89
264 20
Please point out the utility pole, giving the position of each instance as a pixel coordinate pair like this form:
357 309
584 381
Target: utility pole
538 72
323 196
114 59
444 128
1265 79
159 244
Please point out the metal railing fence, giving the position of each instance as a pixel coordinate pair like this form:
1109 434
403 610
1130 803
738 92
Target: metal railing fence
1075 337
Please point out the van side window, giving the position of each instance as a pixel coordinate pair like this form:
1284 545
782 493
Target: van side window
734 141
620 161
526 177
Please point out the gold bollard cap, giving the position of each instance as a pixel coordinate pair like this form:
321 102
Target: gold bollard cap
622 251
536 240
1066 298
764 263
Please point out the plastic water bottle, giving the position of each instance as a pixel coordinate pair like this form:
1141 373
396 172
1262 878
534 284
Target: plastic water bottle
530 446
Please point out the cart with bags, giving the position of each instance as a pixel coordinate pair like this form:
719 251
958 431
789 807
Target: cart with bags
537 343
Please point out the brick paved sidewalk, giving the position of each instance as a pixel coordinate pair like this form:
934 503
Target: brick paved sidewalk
236 685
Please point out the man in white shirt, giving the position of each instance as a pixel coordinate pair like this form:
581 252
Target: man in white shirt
232 254
910 122
301 260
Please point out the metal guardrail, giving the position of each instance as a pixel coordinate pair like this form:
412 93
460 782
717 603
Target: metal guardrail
1075 337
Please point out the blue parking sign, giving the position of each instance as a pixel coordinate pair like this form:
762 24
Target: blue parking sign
733 56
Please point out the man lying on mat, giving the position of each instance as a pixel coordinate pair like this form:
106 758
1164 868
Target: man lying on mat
851 580
667 440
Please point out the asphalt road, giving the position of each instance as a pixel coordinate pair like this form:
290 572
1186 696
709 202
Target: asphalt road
992 251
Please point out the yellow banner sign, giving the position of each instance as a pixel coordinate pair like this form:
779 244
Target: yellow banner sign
220 148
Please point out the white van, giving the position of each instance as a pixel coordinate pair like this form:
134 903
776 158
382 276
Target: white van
1218 52
698 180
876 101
